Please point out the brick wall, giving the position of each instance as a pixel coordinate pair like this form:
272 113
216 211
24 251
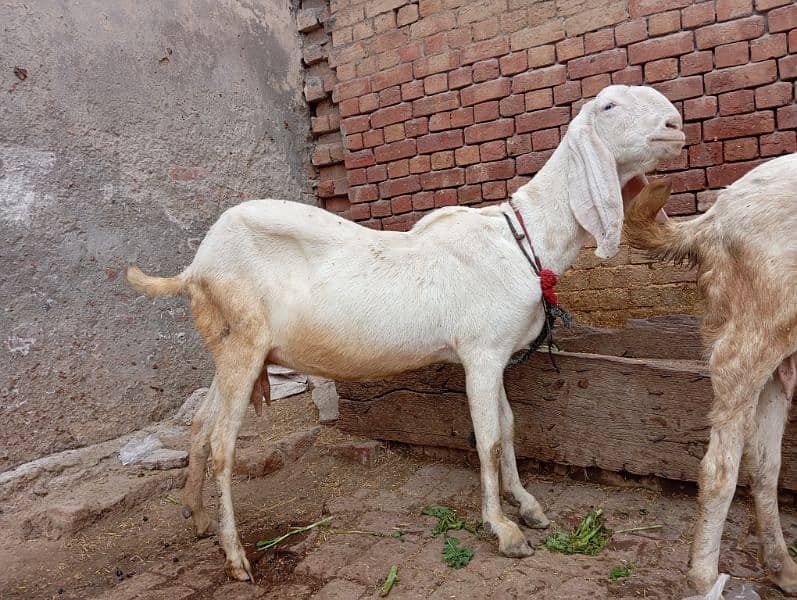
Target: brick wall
437 102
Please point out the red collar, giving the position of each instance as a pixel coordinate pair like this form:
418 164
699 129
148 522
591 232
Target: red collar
547 277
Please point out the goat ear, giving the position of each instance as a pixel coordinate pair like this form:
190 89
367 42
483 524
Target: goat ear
593 185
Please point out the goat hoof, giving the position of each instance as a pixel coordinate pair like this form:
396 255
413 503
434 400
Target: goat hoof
535 519
204 526
516 549
786 578
239 570
701 582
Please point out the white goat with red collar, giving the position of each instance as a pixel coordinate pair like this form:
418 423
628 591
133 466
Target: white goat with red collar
289 284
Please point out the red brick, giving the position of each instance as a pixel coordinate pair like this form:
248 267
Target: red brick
445 198
410 52
487 29
495 150
440 121
435 142
489 131
767 4
605 62
394 151
351 89
461 77
467 155
693 133
398 168
679 163
390 77
484 49
732 31
416 127
482 92
485 69
349 107
434 44
462 117
671 45
538 99
570 48
390 96
458 38
390 115
400 222
356 176
412 90
681 89
428 65
740 101
628 76
700 108
686 181
395 132
597 41
641 8
770 46
793 40
440 179
705 155
400 186
733 9
697 15
354 142
528 164
780 142
423 201
437 103
542 119
406 15
787 66
469 194
661 70
538 78
567 92
590 86
741 149
664 23
373 138
358 212
376 173
728 173
782 19
730 55
518 144
746 76
494 190
541 56
723 128
514 63
401 204
545 139
787 117
442 160
363 193
630 32
356 160
443 21
696 62
420 164
512 105
486 111
777 94
503 169
369 103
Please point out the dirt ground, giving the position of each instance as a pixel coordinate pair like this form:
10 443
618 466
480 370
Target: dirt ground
154 551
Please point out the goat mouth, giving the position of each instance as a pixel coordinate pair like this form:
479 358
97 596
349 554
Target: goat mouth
673 139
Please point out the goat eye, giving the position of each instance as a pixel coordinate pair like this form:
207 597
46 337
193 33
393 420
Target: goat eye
609 106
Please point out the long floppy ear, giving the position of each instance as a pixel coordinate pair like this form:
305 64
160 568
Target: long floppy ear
593 185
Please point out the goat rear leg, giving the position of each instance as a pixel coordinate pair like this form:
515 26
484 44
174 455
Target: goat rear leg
530 510
237 367
484 395
201 428
763 458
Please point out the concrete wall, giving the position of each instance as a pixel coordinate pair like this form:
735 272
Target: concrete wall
126 128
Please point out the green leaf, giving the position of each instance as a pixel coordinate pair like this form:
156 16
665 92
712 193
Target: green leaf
620 572
392 577
454 555
589 538
448 520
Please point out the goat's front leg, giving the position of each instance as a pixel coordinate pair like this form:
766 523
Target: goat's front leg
763 457
530 510
484 383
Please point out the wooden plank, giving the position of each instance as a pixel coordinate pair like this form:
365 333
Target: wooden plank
641 416
674 337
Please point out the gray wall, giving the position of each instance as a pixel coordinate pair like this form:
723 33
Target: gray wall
137 125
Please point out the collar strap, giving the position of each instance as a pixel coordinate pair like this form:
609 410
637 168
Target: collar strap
548 278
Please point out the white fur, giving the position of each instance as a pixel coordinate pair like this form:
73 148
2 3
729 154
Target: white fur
454 288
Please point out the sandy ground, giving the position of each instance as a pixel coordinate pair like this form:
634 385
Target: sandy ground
153 548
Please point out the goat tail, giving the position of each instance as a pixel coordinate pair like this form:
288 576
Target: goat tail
155 286
670 240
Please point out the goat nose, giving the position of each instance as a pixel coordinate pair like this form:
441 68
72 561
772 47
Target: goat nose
673 123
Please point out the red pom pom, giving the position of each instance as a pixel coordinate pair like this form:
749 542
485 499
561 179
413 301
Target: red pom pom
548 281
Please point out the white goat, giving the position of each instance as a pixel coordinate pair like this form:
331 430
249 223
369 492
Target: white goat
745 248
285 283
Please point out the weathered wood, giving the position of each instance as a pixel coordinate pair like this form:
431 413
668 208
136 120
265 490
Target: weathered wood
641 416
675 337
